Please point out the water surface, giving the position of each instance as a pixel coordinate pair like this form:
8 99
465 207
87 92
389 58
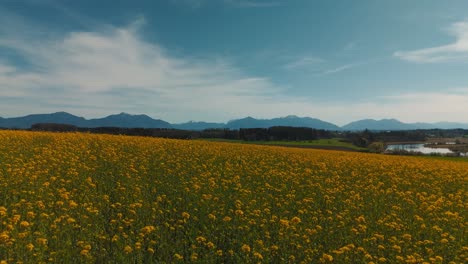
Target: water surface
419 148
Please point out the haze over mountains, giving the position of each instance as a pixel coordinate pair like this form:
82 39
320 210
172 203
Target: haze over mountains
144 121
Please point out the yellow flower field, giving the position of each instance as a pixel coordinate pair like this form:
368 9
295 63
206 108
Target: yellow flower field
70 198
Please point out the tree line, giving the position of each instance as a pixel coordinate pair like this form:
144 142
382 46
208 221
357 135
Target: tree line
365 139
248 134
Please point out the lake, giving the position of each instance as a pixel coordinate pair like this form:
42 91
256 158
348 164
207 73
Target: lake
419 148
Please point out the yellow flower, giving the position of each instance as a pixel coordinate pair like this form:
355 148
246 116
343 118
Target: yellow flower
239 212
23 234
31 214
3 211
327 257
210 245
128 249
24 224
295 220
361 219
178 257
29 246
72 204
397 248
284 222
200 239
245 248
258 255
41 241
4 237
185 215
16 219
147 229
407 237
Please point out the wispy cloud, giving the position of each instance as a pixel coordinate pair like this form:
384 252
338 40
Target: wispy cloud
303 62
456 51
339 69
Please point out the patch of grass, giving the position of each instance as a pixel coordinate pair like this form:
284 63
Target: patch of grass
333 142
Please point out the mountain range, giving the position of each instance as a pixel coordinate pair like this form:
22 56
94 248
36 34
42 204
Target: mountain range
144 121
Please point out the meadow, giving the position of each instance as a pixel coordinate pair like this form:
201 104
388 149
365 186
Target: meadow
86 198
333 142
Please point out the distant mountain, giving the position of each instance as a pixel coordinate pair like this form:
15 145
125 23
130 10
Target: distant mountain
420 125
293 121
247 122
144 121
120 120
27 121
393 124
198 126
450 125
384 124
250 122
127 120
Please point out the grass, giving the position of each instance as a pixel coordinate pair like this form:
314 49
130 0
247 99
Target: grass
333 142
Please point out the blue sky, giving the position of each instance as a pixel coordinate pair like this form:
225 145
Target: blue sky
216 60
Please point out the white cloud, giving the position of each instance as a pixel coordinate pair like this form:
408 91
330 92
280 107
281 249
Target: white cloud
103 72
455 51
407 107
6 69
426 106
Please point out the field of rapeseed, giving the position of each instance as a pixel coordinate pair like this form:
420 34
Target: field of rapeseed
71 198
